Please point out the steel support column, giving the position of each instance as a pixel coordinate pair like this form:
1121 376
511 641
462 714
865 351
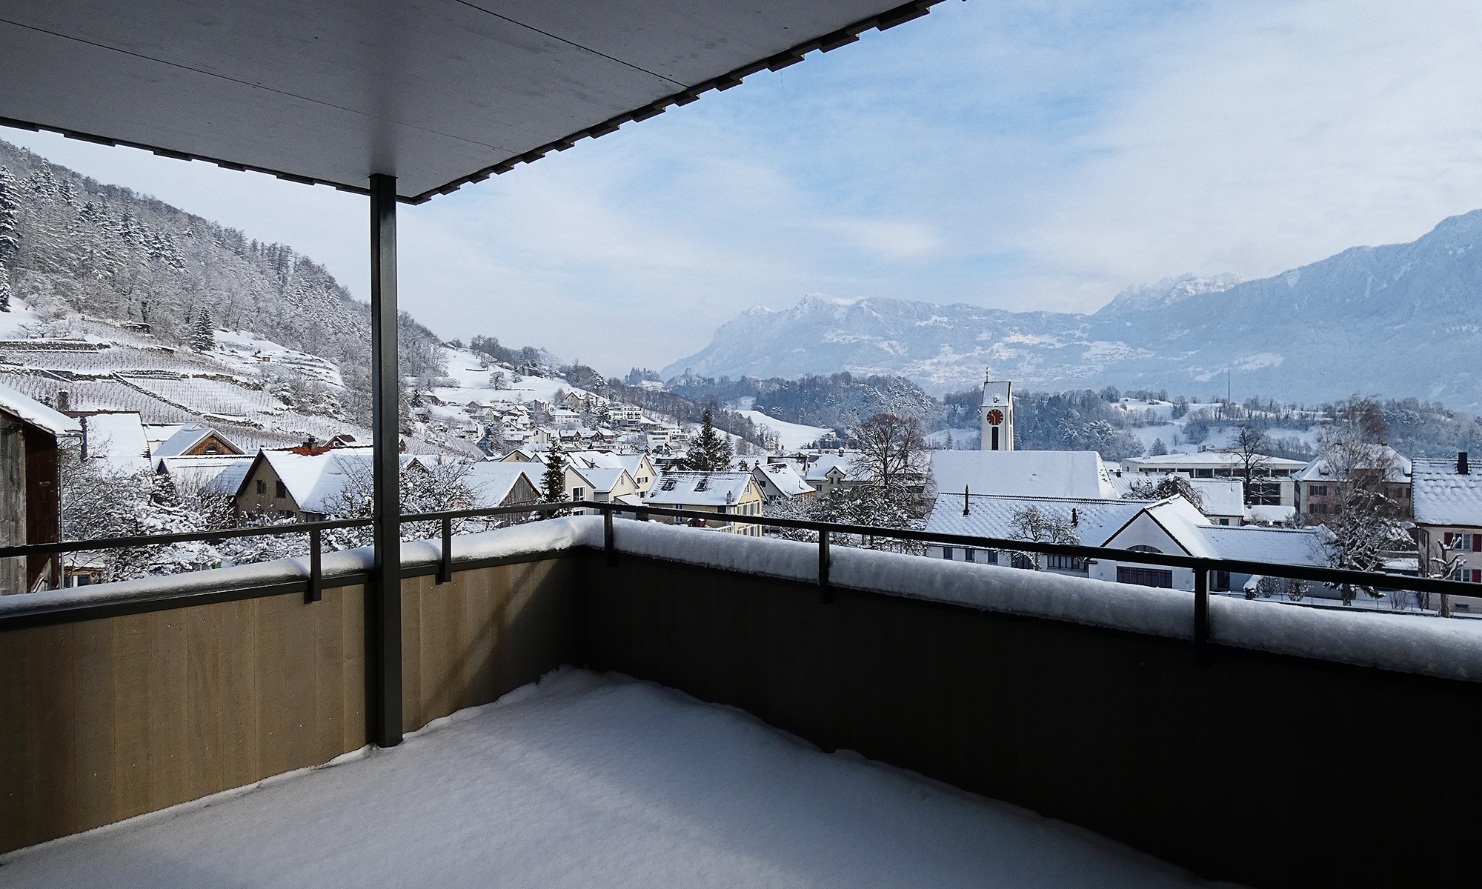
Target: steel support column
383 594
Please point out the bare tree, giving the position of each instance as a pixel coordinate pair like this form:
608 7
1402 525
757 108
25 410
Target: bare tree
1034 524
1248 448
1364 525
892 454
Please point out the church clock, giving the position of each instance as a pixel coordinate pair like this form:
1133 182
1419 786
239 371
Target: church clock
995 417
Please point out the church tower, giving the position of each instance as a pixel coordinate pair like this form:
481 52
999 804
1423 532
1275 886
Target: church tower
997 414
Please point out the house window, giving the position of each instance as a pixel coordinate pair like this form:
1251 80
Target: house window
1318 490
1065 563
262 488
1203 473
1155 577
578 493
282 490
947 553
970 555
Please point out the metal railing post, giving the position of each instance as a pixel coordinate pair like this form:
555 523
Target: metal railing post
445 565
609 543
1201 614
825 588
315 592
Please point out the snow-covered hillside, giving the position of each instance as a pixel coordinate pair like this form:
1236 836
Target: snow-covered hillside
790 436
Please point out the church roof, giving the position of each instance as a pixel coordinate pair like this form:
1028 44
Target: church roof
997 392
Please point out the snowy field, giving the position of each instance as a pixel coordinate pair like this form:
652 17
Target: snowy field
790 436
586 780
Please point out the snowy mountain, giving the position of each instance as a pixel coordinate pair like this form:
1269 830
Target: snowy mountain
1398 320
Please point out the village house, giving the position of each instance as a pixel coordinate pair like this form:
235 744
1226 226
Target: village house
779 481
1448 517
721 493
1319 490
31 437
495 484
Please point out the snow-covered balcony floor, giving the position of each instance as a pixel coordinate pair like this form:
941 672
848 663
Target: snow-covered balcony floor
587 780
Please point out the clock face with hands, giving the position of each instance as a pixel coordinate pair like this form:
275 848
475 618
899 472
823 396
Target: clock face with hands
995 417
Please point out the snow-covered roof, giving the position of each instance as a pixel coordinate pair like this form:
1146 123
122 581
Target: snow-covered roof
997 392
213 474
818 470
1096 519
491 482
687 488
1220 497
1270 514
1278 546
1445 497
1184 523
1076 474
604 479
317 481
1397 465
186 438
118 439
784 478
1207 460
36 413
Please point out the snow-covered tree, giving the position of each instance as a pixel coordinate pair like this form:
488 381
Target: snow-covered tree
710 451
203 332
1157 448
553 481
9 238
1163 488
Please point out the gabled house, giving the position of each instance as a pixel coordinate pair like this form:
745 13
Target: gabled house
194 441
779 481
493 483
719 492
308 484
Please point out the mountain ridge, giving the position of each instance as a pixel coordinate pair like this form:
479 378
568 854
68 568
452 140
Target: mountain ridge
1368 319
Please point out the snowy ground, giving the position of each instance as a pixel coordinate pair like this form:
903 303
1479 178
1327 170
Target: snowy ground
790 436
586 780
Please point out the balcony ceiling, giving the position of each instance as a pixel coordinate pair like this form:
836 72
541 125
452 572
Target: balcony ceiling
434 92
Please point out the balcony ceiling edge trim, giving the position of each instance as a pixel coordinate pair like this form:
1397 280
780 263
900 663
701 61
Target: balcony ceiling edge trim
842 37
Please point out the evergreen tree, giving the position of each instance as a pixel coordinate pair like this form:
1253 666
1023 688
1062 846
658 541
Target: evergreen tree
203 332
9 242
553 482
711 451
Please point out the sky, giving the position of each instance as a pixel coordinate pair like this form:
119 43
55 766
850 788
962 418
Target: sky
1027 156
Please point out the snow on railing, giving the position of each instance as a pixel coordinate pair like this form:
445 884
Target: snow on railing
1448 649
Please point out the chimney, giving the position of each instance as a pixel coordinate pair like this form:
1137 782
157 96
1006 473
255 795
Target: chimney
965 509
1074 517
1461 463
64 401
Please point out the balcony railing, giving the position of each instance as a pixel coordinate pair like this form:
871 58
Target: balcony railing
825 532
